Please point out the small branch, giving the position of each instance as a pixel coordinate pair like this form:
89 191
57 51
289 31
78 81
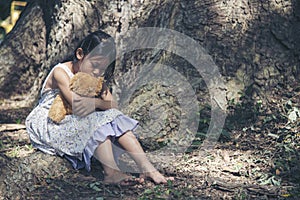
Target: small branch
11 127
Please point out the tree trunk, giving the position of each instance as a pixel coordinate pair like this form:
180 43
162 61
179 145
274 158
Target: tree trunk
22 52
45 34
253 43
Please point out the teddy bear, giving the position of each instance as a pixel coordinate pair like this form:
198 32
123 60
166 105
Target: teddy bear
82 84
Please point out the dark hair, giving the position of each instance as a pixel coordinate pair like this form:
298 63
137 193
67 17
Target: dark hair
100 43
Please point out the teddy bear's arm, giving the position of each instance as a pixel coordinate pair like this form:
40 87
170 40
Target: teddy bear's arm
59 109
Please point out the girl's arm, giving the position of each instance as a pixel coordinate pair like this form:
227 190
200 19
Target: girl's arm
61 81
83 106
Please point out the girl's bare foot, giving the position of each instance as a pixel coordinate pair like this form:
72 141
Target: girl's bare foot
119 178
157 177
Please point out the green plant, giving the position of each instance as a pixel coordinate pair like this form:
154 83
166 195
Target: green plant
162 192
18 121
14 152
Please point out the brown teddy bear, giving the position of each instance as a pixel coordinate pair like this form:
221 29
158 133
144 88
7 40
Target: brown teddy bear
82 84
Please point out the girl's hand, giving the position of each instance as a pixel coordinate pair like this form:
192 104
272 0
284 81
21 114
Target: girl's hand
82 106
107 104
107 101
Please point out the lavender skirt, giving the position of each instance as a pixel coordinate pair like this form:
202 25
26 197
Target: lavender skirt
113 129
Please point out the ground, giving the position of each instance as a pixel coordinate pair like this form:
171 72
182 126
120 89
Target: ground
256 157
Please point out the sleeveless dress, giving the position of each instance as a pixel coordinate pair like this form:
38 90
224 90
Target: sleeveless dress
75 137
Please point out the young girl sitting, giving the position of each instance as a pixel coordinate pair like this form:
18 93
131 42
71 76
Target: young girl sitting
88 132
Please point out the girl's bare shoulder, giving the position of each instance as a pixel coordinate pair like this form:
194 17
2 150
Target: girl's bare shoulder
60 76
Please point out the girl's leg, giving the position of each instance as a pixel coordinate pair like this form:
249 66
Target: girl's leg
112 174
132 145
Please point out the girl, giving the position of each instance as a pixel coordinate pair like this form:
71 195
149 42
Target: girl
87 132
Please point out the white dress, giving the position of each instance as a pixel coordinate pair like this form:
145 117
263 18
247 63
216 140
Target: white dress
74 137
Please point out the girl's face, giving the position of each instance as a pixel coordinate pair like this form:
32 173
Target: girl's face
95 65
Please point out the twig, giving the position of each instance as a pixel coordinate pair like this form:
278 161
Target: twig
11 127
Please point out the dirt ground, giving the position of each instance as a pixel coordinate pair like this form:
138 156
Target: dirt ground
256 157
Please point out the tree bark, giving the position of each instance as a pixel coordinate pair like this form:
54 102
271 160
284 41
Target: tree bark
22 52
253 43
45 34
